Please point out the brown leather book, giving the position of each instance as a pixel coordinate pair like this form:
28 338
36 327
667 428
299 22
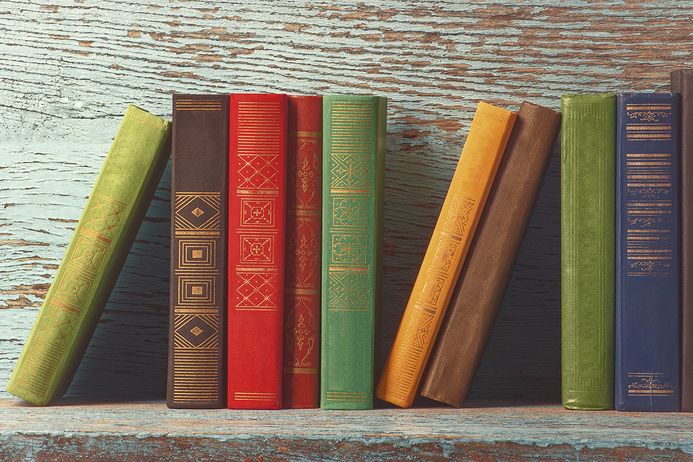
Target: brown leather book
479 290
197 361
682 82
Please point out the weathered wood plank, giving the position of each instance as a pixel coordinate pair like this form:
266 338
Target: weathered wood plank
149 431
65 81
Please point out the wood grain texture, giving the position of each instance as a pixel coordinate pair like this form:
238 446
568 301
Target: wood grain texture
149 431
66 79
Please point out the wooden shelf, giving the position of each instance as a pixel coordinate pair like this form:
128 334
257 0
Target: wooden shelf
150 431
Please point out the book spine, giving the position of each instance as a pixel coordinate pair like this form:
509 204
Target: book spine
256 252
479 290
301 387
587 250
197 359
647 242
682 83
446 252
353 166
93 259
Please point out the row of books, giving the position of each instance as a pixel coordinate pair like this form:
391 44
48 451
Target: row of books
276 244
627 315
270 237
627 286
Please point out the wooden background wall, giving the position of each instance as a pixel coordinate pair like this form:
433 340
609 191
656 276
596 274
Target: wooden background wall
68 70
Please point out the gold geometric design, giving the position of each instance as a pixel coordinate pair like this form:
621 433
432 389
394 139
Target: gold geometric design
349 212
303 254
419 329
349 248
348 396
87 255
444 254
458 215
348 291
254 396
197 213
649 115
103 217
303 174
196 372
98 227
47 349
198 289
198 105
101 222
350 172
257 212
196 331
432 288
258 171
257 249
197 254
256 291
648 384
301 330
71 291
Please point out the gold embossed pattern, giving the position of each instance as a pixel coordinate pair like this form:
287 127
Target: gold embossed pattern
196 319
72 289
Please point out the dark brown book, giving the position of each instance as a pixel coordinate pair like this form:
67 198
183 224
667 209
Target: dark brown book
682 82
197 360
479 290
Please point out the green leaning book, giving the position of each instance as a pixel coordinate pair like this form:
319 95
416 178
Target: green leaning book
353 168
94 258
588 214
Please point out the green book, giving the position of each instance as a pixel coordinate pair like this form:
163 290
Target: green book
353 168
588 214
94 258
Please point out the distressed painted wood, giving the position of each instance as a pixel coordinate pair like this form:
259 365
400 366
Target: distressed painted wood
149 431
68 69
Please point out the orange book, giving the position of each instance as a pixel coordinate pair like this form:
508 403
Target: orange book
445 255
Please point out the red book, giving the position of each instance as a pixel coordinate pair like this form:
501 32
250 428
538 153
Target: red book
257 210
303 249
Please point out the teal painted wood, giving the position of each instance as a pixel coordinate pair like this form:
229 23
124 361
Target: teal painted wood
149 431
67 79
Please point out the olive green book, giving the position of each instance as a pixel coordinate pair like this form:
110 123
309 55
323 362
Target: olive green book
588 216
353 168
94 258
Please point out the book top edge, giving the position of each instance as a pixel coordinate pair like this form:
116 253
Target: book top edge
142 115
683 72
587 97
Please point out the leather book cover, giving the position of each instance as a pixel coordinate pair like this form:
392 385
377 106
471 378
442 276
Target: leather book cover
481 284
256 252
446 254
354 135
303 249
197 354
94 258
682 83
588 151
647 257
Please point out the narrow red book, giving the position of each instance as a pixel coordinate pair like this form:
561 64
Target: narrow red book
257 210
303 250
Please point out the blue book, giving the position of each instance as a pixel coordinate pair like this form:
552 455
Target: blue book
647 252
